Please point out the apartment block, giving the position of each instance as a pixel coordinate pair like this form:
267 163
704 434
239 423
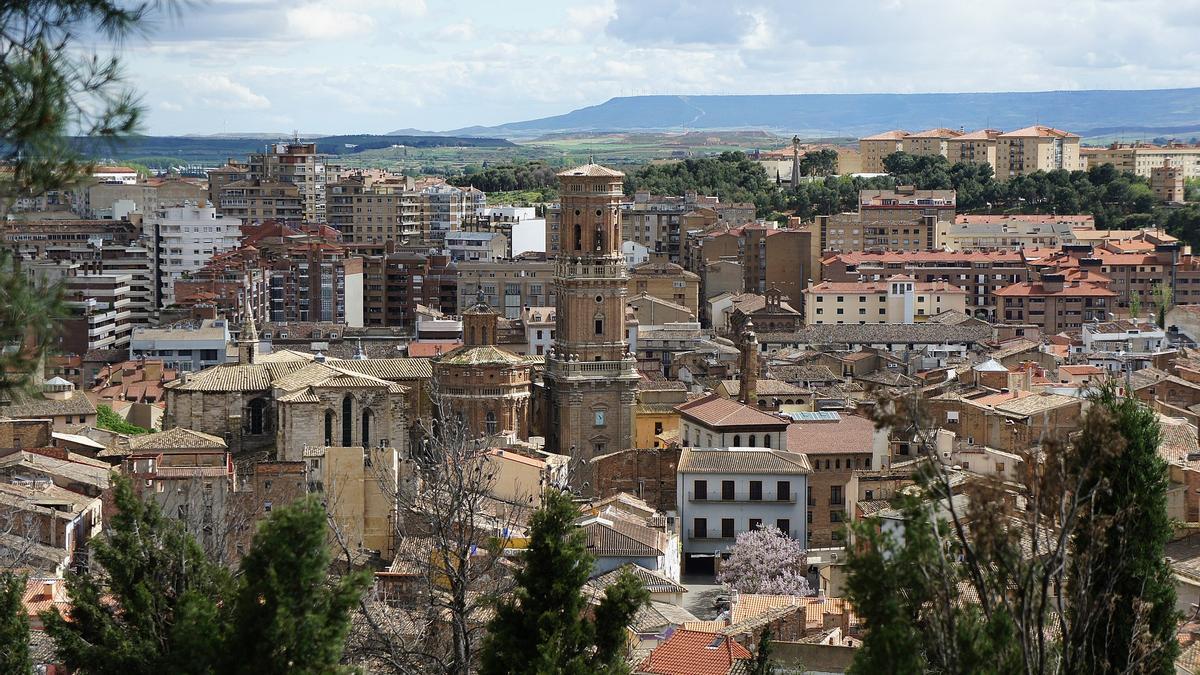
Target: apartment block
257 200
1055 304
185 238
976 147
903 219
899 299
837 446
101 314
188 346
395 284
875 148
931 142
980 274
444 208
669 282
1036 148
1143 158
317 282
476 246
366 209
508 285
1015 231
771 257
296 164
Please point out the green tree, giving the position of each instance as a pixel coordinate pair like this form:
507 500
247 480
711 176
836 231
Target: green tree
150 602
1130 625
52 89
289 617
107 418
542 628
30 310
14 626
1164 298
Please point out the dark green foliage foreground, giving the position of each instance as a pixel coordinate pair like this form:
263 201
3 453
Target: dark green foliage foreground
160 606
979 592
543 628
14 626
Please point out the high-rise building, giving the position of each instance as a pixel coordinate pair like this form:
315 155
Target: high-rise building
185 238
1036 148
297 164
590 377
367 209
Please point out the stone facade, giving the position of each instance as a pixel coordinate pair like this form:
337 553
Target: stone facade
647 473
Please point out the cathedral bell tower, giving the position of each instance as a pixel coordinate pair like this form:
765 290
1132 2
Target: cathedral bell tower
591 378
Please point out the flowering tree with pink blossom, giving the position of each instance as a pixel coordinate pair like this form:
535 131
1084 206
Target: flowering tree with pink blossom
766 561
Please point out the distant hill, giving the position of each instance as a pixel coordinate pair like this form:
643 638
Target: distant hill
210 149
1143 111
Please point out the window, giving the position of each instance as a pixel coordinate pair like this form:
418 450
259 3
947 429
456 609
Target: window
267 506
658 428
700 528
835 496
952 417
599 326
756 490
727 490
490 422
599 418
347 422
870 495
835 516
783 491
755 524
753 441
785 526
366 428
598 448
700 489
328 427
727 531
737 441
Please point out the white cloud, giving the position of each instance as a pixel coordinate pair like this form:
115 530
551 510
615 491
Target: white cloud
222 93
320 21
458 31
170 107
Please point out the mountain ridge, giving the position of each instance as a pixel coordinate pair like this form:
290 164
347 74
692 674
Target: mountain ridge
1079 111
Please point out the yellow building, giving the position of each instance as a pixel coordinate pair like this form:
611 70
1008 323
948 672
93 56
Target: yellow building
931 142
976 147
900 299
1036 148
666 281
874 148
656 422
361 491
517 478
1143 158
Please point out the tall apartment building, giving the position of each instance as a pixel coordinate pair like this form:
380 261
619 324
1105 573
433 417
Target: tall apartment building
258 200
771 257
101 315
366 209
931 142
590 378
1036 148
1143 158
654 220
980 274
508 285
875 148
184 239
1014 232
445 207
975 147
297 164
395 283
317 282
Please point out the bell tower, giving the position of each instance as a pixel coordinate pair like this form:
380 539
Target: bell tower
591 378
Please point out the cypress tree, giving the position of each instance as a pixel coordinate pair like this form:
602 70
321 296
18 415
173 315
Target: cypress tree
542 628
289 616
14 626
151 602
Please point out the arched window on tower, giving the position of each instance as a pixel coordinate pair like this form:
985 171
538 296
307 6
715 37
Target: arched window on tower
347 421
328 427
366 428
578 238
490 422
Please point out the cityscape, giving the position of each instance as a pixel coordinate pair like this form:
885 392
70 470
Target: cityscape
812 378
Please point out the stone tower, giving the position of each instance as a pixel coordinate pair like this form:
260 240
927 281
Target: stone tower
591 378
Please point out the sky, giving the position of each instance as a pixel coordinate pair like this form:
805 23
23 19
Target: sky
374 66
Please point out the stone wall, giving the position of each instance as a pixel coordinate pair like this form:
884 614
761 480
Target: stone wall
645 473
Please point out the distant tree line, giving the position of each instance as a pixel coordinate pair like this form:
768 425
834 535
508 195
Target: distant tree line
1116 199
509 177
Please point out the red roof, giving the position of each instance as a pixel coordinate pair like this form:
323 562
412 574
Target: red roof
1080 219
850 433
1069 290
949 257
852 287
714 411
432 348
693 652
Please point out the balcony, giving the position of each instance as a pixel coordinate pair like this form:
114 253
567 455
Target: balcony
740 499
591 369
707 536
590 270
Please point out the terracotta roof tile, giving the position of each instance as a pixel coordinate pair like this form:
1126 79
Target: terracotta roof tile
716 412
742 460
689 652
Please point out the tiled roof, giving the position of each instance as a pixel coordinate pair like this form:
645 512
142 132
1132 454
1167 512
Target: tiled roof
939 132
850 433
981 135
689 652
1031 405
766 387
715 412
480 355
1039 131
803 373
592 170
894 135
742 460
177 439
657 616
235 377
1177 441
621 538
1038 289
881 333
852 287
653 582
394 370
31 406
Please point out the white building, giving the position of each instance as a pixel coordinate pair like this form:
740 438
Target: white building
722 492
539 329
185 347
476 246
1114 345
527 232
634 253
186 237
115 174
716 422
